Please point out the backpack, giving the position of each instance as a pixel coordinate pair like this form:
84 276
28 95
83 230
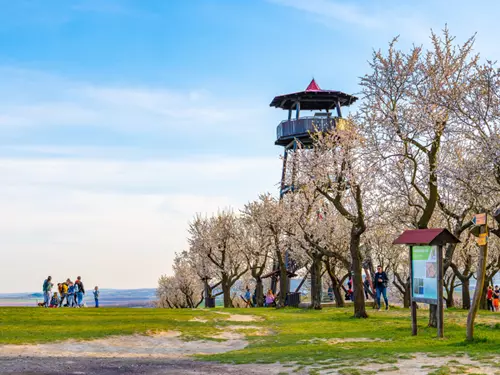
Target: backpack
64 288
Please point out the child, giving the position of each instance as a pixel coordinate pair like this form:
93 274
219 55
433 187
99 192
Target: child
54 302
96 296
64 294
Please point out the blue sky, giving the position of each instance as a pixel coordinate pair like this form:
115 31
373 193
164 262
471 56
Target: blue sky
119 119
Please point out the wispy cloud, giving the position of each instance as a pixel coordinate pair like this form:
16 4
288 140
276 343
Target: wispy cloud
30 99
403 19
333 10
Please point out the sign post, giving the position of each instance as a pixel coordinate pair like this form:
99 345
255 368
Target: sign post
426 270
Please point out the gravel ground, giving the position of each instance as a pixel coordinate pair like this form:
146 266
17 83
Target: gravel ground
115 366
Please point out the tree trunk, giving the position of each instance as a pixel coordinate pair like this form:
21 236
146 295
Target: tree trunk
259 292
357 277
226 290
283 281
336 285
481 273
433 316
407 298
450 302
337 291
316 284
484 304
466 294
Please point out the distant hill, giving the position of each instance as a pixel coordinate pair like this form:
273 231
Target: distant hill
108 297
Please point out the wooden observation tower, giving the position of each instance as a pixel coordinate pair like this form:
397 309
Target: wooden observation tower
323 114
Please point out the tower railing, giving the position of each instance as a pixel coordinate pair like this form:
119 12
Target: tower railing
304 125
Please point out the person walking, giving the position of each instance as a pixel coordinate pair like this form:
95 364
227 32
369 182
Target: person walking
489 298
248 297
381 282
96 296
80 292
47 291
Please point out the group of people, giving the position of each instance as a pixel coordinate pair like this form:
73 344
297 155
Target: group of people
68 291
380 283
251 300
493 298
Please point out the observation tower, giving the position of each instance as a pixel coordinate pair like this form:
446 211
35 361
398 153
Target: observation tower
299 129
323 114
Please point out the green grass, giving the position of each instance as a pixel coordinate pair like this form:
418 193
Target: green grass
295 335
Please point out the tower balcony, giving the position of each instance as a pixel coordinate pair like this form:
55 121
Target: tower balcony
301 128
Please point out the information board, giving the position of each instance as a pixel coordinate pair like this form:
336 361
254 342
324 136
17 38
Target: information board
424 274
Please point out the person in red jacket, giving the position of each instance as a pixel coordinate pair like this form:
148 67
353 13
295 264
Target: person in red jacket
489 298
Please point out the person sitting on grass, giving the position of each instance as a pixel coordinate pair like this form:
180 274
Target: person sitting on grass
269 298
96 296
54 301
381 281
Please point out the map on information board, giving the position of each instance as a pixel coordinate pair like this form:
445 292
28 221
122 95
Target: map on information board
424 273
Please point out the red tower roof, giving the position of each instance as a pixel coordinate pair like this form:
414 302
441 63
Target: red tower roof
313 98
313 86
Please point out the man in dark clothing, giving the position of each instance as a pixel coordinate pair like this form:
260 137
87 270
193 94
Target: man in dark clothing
380 282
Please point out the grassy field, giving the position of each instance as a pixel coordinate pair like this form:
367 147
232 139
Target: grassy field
301 336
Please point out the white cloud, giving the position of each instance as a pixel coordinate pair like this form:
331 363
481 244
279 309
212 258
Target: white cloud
344 12
117 223
390 19
36 99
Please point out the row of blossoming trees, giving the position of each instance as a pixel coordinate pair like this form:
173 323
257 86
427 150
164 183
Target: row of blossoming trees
423 150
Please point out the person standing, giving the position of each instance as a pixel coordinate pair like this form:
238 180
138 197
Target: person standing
489 298
47 291
381 282
96 296
63 290
366 285
70 297
80 292
496 299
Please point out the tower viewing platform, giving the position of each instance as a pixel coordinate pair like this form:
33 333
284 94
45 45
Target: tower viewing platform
312 99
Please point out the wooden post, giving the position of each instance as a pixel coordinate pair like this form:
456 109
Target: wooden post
481 276
440 301
339 112
290 114
414 329
297 110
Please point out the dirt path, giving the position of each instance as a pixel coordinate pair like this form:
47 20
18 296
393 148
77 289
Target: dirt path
160 353
128 366
163 345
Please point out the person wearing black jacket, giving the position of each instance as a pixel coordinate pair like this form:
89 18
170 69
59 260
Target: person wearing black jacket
81 291
380 282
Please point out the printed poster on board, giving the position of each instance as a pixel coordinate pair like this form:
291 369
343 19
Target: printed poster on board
424 267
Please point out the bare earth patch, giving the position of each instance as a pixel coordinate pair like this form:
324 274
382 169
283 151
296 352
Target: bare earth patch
420 364
198 320
239 317
160 345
